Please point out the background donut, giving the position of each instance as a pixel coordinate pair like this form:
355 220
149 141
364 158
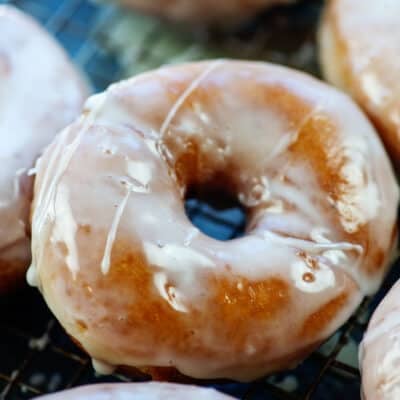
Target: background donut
136 391
360 52
40 94
366 65
380 350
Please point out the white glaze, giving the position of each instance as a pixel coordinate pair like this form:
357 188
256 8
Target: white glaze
31 276
186 93
65 229
102 368
192 234
360 201
380 350
323 277
141 173
138 391
173 257
40 93
142 259
105 262
62 156
169 293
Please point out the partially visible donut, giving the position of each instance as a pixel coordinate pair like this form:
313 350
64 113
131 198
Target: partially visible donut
40 93
203 10
360 53
380 350
136 284
138 391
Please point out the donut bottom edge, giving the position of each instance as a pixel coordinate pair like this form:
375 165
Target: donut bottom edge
173 375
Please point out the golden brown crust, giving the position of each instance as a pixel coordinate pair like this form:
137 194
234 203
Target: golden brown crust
323 317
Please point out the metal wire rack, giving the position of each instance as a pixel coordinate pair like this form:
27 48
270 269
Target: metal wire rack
37 357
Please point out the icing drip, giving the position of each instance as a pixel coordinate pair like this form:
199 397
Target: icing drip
313 247
141 173
359 201
140 176
190 89
175 257
65 229
332 254
193 232
60 160
102 368
31 276
66 153
105 262
32 171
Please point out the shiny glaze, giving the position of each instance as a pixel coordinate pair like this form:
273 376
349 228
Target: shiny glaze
203 10
138 391
367 66
380 351
40 93
134 282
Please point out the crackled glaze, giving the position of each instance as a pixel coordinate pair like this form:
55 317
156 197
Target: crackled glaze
203 10
133 281
366 66
40 93
138 391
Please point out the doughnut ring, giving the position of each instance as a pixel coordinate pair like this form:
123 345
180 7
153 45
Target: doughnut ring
366 66
32 112
108 218
142 391
380 350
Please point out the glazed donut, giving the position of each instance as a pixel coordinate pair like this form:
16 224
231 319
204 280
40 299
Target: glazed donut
380 351
138 391
203 10
366 65
40 94
136 284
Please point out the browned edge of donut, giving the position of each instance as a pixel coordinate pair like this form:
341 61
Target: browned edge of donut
171 374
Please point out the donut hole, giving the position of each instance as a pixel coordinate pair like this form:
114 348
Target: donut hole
215 211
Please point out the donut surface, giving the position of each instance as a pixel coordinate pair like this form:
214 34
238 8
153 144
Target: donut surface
203 10
40 94
360 53
380 350
136 284
138 391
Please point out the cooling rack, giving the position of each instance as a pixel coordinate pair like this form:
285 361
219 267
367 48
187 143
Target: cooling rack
36 356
